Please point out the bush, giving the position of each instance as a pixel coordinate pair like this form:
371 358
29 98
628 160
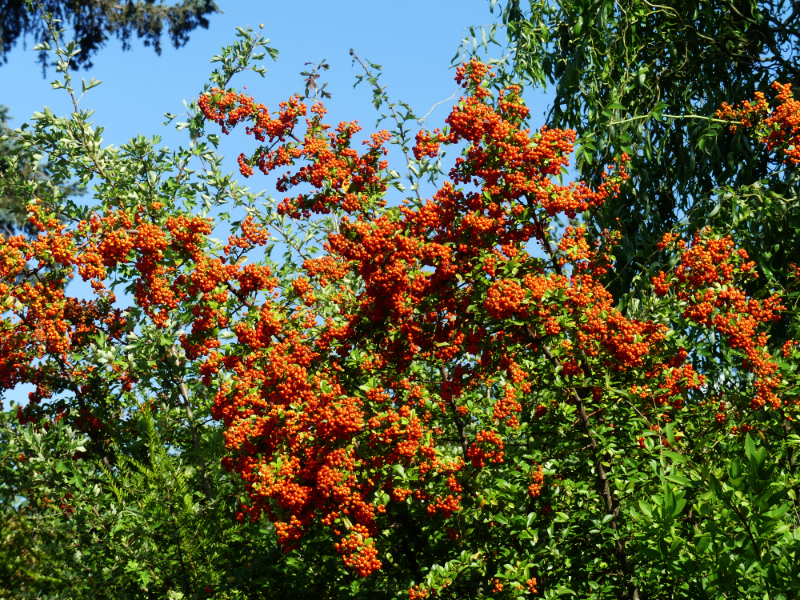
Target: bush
426 397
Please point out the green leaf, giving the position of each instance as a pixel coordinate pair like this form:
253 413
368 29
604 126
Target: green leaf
685 481
749 446
676 457
680 504
670 431
92 83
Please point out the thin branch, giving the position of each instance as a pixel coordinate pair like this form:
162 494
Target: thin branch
650 115
382 91
437 104
184 392
611 502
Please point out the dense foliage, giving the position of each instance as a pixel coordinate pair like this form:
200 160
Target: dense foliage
423 397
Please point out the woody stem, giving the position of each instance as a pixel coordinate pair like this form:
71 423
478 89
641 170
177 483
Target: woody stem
184 390
610 499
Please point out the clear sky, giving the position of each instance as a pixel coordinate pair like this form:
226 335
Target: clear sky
413 40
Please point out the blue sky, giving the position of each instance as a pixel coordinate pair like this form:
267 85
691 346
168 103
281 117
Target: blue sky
414 41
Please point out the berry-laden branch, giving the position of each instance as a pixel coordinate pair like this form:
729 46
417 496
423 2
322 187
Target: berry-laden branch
442 287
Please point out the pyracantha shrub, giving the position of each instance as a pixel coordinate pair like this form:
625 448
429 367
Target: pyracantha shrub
443 393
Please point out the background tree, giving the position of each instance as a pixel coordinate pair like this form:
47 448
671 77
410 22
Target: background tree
647 79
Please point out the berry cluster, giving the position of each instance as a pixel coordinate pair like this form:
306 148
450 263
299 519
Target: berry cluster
778 129
708 281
